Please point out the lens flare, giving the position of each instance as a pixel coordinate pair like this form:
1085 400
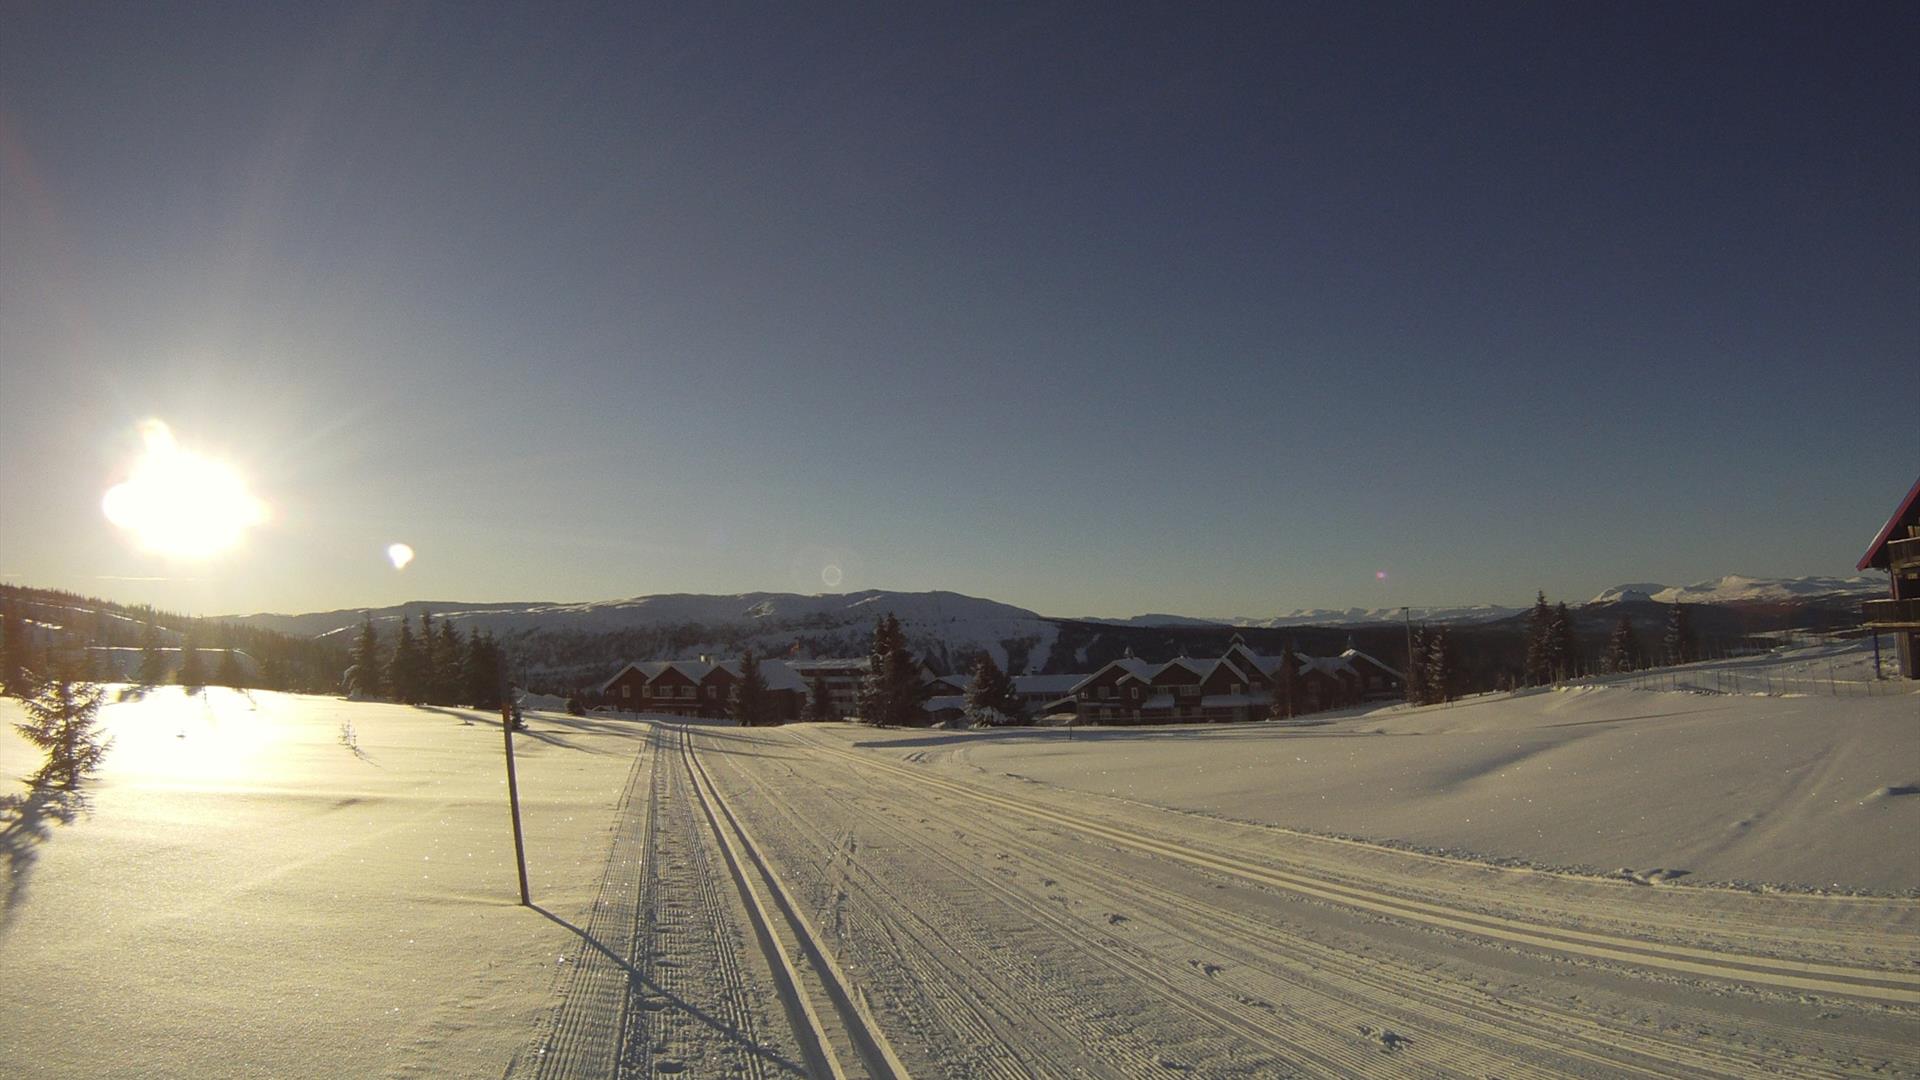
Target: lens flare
831 576
1379 575
399 555
180 504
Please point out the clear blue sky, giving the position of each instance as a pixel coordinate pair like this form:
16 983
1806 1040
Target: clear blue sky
1094 309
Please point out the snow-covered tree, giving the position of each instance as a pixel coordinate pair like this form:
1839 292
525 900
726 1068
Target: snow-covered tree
62 718
991 698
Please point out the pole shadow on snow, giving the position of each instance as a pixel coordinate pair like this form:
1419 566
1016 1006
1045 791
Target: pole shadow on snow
26 822
638 983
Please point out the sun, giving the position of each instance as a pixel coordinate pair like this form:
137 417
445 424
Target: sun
180 504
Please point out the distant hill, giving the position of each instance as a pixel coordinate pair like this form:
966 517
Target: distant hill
566 645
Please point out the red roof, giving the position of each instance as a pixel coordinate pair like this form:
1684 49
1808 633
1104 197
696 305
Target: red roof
1877 554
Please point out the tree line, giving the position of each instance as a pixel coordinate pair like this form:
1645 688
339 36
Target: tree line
436 666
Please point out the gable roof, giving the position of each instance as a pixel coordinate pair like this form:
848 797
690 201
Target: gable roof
1908 514
1356 654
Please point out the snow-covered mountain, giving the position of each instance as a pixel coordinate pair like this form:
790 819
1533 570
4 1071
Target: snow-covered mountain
1468 613
1737 588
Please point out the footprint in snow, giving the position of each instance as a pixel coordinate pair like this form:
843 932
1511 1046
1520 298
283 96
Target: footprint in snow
1115 920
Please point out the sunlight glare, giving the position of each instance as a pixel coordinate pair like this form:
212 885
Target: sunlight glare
180 504
399 555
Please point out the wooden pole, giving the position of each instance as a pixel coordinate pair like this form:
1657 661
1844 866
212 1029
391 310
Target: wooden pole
510 719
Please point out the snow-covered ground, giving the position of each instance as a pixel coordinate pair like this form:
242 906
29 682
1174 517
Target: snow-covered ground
288 886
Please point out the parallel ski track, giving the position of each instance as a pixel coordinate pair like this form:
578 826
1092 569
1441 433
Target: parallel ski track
1873 984
1460 1028
684 938
586 1031
775 915
957 1022
1453 1023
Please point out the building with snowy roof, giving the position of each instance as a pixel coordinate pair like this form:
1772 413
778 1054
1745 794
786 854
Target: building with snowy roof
1238 686
1896 549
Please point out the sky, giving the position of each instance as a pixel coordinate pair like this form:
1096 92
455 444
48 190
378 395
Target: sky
1096 309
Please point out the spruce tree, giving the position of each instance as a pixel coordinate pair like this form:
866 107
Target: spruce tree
430 661
991 698
403 668
1560 640
62 718
1680 645
1623 648
752 704
1441 675
481 672
891 693
1539 667
1286 683
820 701
1417 668
367 676
451 657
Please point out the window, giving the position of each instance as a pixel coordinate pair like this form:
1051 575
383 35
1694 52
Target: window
626 690
686 691
646 691
1239 688
1106 691
713 693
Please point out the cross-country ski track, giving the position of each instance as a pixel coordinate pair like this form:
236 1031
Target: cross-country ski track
813 900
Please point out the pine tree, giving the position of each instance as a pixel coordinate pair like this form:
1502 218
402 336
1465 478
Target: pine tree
752 703
366 676
1286 683
153 666
1560 638
991 698
1539 668
1441 675
193 674
1623 648
1680 645
1417 668
404 667
820 701
61 719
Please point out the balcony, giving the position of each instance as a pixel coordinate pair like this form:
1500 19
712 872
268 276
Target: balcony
1903 552
1900 613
